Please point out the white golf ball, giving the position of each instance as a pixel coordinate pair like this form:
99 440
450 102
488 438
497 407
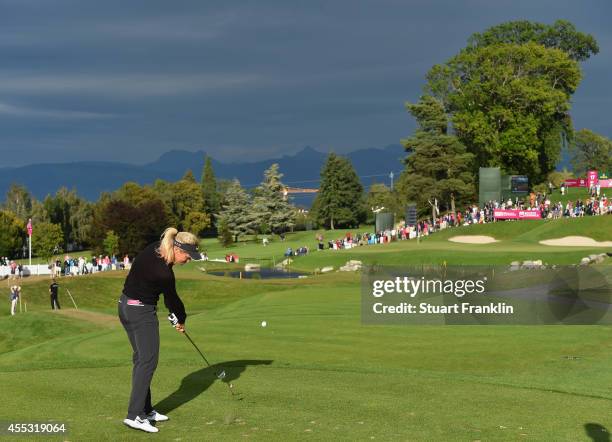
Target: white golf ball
264 323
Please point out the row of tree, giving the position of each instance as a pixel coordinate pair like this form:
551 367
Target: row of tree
136 214
124 221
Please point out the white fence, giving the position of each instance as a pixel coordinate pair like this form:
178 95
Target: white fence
32 270
42 269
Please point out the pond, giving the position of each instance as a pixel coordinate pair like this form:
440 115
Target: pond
264 273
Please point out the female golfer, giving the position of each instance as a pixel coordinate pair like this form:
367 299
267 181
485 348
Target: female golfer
151 274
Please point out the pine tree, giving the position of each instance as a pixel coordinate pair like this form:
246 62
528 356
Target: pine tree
439 166
236 212
225 236
270 208
210 192
339 202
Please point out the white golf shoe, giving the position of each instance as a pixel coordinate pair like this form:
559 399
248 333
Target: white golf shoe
156 417
140 424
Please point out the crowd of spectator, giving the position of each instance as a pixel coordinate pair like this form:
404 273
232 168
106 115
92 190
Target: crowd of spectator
73 266
300 251
596 204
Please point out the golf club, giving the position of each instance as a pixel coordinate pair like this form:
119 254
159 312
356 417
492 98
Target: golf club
220 374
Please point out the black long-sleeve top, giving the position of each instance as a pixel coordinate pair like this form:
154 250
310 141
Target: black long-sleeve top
150 276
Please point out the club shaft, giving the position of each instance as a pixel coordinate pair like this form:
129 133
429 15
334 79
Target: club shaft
206 360
196 347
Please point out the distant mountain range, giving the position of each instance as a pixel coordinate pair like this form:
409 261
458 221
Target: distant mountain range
92 177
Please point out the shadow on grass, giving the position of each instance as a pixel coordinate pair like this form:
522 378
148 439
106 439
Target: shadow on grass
196 383
597 433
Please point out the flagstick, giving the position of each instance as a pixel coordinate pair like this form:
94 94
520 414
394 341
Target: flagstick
30 240
75 306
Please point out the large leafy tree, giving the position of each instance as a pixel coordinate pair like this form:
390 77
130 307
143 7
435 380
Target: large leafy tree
135 194
81 218
164 192
270 207
180 199
508 93
340 201
439 166
19 201
73 215
590 151
197 222
47 240
561 35
136 226
12 234
39 212
186 199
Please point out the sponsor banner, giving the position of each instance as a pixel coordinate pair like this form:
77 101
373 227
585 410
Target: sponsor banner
516 214
605 183
576 182
486 295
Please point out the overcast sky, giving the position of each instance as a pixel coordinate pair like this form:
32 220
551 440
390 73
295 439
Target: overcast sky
128 80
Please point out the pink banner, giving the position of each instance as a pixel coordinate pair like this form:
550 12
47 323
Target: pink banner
576 182
29 227
583 182
516 214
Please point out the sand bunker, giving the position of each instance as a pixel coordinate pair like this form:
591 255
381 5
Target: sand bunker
473 239
576 241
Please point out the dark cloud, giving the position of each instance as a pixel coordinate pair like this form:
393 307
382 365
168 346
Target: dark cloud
130 80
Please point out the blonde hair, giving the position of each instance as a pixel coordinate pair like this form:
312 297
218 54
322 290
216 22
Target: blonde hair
166 247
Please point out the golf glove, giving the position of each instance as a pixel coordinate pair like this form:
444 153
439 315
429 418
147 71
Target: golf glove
173 319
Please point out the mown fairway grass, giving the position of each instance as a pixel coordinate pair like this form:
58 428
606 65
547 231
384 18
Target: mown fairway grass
315 372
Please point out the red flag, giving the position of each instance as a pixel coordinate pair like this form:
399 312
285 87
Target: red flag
30 227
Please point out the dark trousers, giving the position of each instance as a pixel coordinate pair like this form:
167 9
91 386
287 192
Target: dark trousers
142 327
54 302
